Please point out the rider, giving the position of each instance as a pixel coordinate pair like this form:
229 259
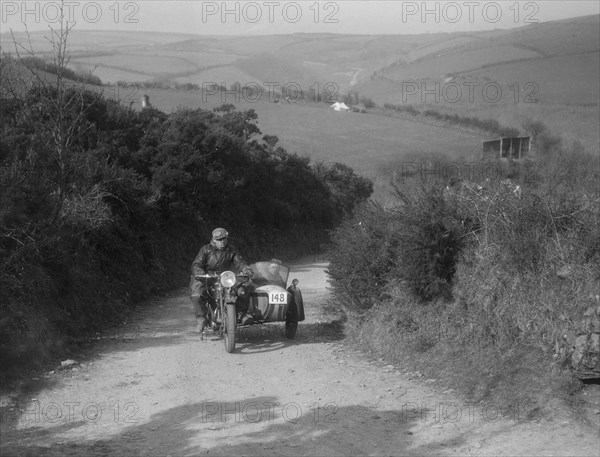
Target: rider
217 256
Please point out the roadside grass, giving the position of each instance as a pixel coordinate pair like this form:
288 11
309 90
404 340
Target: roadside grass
516 381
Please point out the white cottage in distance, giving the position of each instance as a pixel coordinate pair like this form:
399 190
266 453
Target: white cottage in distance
340 106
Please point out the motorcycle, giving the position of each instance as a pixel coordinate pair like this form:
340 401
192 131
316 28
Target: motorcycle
221 316
243 300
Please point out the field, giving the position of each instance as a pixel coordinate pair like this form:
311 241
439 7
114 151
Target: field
452 63
143 64
363 141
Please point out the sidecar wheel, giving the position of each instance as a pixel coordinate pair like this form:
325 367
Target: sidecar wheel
290 330
291 321
229 322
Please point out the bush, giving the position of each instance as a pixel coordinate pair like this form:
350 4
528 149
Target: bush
416 243
361 257
429 239
369 103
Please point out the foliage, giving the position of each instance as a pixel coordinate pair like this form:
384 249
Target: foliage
429 241
417 243
544 142
478 281
361 257
490 126
354 98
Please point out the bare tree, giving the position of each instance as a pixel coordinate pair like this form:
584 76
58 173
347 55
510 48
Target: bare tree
55 104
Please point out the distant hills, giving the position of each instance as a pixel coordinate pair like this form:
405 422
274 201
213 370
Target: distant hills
560 57
549 71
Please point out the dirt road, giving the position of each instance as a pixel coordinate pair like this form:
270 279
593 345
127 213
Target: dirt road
155 389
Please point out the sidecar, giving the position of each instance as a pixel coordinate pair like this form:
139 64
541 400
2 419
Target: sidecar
272 300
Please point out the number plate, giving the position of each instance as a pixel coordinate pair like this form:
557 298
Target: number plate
277 298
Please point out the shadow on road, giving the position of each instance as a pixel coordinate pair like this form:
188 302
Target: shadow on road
254 426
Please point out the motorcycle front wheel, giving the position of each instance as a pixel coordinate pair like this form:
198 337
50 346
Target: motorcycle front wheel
229 321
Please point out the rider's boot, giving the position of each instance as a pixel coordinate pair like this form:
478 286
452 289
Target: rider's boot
200 324
245 318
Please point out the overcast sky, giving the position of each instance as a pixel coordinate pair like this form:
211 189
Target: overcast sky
277 17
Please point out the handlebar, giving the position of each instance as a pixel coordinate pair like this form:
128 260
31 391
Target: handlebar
207 276
218 275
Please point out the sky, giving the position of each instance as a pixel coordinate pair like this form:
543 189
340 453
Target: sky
283 17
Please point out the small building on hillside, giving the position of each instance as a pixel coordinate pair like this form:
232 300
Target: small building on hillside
507 148
146 101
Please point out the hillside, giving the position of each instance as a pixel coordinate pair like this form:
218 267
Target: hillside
548 71
330 57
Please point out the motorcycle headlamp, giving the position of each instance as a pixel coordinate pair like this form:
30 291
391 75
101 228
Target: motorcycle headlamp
228 279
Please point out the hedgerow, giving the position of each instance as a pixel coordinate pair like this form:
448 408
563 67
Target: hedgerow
490 126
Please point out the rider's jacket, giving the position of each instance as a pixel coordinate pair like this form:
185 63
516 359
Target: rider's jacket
212 259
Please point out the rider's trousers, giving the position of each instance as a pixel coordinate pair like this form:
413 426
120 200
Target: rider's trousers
199 297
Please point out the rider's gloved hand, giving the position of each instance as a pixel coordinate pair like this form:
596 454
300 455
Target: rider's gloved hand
248 271
197 274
